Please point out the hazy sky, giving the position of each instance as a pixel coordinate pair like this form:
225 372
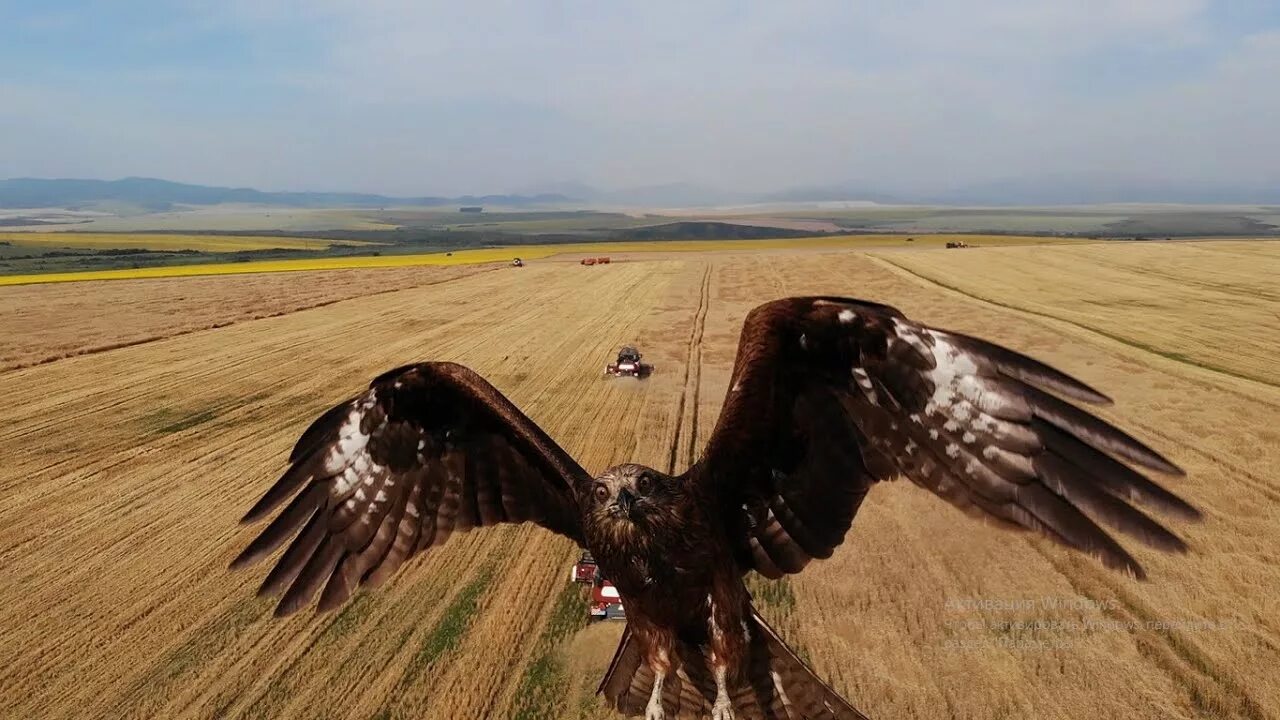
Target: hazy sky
413 97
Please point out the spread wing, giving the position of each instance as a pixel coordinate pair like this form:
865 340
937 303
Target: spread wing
830 395
427 450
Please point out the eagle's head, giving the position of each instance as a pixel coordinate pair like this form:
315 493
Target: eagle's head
631 496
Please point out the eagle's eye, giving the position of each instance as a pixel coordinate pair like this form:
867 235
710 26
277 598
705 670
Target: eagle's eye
602 492
644 484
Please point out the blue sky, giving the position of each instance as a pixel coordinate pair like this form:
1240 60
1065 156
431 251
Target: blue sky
419 97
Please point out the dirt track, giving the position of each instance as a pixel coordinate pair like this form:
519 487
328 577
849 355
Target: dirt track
125 472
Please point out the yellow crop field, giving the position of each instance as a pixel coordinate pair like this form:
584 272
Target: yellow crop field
164 241
126 469
506 253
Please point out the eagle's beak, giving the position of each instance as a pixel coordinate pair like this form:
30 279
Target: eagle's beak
625 502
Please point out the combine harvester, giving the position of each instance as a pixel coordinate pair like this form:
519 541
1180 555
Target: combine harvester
628 364
605 602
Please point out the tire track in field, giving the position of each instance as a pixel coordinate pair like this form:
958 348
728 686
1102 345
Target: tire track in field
1230 291
700 323
1241 474
694 355
1173 652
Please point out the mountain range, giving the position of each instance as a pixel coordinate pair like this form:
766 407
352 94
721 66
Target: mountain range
150 194
157 195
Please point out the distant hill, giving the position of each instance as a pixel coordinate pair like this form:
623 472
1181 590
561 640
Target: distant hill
157 195
1091 190
1048 190
834 193
152 195
699 230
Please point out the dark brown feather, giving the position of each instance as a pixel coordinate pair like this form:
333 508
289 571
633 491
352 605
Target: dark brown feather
312 576
1074 527
283 527
298 553
1115 477
969 420
406 540
796 694
295 477
322 431
1029 370
1065 479
434 438
1096 432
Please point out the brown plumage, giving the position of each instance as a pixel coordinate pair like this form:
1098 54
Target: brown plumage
828 396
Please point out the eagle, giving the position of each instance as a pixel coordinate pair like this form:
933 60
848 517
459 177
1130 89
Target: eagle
828 397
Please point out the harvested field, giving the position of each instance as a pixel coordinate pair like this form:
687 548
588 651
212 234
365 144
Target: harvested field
48 323
127 469
1156 297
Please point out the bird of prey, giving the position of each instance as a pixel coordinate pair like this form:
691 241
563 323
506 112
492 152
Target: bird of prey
828 397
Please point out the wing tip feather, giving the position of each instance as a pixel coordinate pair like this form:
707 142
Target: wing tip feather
1177 507
1137 572
1192 513
284 609
1114 557
1025 368
328 605
242 561
254 514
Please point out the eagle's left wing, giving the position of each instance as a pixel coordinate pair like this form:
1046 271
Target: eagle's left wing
829 395
427 450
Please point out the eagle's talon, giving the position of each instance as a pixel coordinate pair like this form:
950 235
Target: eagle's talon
722 710
653 711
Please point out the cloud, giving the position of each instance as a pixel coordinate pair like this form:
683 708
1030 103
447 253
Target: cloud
434 97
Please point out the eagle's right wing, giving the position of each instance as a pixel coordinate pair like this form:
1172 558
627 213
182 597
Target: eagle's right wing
427 450
830 395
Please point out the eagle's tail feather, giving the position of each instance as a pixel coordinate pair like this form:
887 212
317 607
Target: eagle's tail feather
629 682
786 685
775 684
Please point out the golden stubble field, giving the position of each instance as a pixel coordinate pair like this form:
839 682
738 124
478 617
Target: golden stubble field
43 323
125 471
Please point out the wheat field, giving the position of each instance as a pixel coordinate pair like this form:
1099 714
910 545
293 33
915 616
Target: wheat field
126 469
